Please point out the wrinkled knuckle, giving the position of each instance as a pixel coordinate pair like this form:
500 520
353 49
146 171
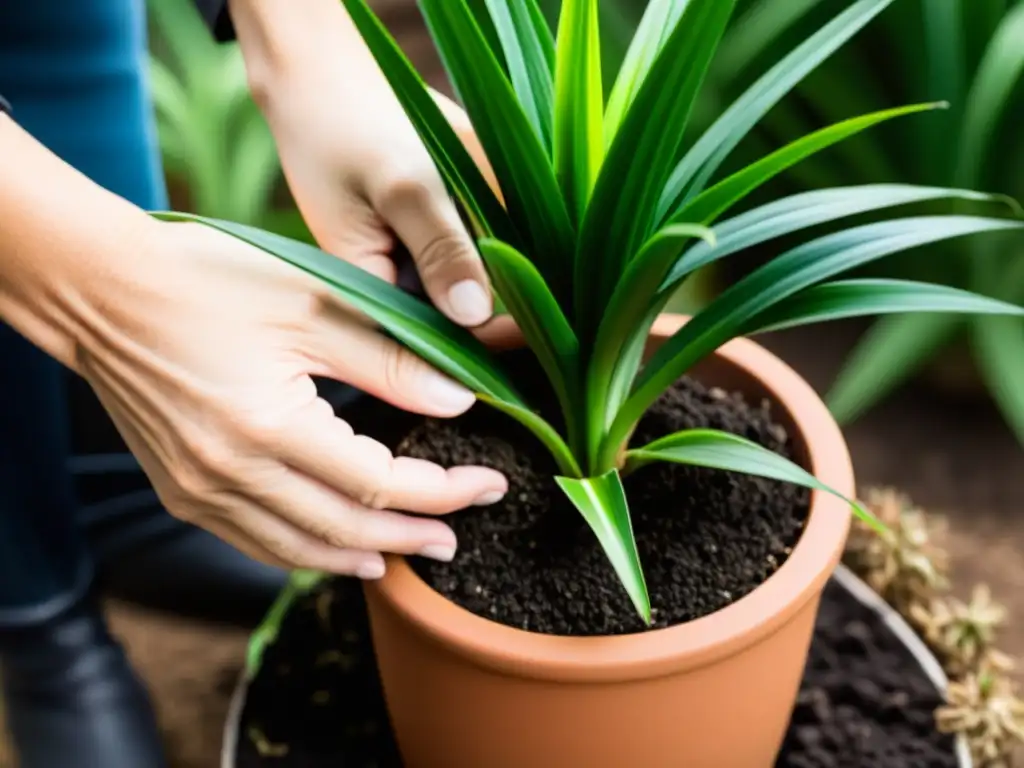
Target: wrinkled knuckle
264 429
214 463
400 369
404 187
445 249
288 552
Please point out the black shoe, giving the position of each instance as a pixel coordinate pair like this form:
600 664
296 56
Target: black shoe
71 698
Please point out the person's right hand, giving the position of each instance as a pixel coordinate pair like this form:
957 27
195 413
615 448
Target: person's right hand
202 348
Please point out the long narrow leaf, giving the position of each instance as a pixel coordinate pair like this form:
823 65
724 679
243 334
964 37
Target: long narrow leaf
705 157
788 274
659 19
761 25
530 59
887 355
455 164
721 450
544 432
519 159
844 299
626 319
602 502
579 103
999 73
544 326
945 55
417 325
712 203
804 211
1000 350
621 214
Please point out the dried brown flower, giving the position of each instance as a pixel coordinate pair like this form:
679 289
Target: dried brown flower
962 634
986 710
904 565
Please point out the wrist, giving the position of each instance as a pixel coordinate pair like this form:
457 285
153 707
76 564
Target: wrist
285 44
63 237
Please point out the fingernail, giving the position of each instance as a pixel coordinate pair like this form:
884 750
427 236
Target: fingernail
469 302
491 497
446 394
443 552
371 571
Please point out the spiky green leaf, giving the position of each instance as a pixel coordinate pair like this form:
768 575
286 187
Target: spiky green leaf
721 450
627 320
455 164
805 211
712 203
844 299
622 210
658 21
699 164
415 324
529 49
544 326
520 161
1000 352
579 103
602 502
807 265
886 356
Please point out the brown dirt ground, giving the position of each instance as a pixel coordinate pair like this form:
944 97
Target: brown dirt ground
954 457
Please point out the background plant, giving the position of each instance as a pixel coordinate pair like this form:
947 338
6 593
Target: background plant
969 53
607 212
218 152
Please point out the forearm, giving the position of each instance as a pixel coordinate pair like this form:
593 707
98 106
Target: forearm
299 44
59 231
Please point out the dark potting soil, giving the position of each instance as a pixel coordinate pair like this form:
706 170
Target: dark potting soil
706 538
317 703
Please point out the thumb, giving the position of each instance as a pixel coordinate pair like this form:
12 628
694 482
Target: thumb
425 219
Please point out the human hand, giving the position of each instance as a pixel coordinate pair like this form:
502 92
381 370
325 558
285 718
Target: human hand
201 348
355 165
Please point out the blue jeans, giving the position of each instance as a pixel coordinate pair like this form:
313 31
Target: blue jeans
75 74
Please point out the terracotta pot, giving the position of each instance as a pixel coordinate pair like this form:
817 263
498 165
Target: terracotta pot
845 578
465 692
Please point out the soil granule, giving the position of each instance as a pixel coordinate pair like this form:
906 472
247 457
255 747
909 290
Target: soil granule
706 537
317 702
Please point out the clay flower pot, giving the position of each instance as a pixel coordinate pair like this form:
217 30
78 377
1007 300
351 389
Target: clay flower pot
465 692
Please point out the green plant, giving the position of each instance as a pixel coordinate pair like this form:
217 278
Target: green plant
213 139
607 213
971 54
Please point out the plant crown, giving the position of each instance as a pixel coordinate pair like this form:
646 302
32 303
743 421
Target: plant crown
605 210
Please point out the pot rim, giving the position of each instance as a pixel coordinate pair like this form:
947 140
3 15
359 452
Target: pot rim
683 646
846 579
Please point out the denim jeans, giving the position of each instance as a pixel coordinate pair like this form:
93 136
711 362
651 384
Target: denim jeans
75 74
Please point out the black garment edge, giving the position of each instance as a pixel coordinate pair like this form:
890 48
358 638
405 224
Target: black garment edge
218 19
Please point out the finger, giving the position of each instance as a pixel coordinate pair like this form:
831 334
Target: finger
500 333
425 219
366 471
343 523
381 367
264 536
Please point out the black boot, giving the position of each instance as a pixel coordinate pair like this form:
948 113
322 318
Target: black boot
70 696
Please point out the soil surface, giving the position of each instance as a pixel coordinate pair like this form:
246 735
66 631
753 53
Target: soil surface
706 538
318 703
